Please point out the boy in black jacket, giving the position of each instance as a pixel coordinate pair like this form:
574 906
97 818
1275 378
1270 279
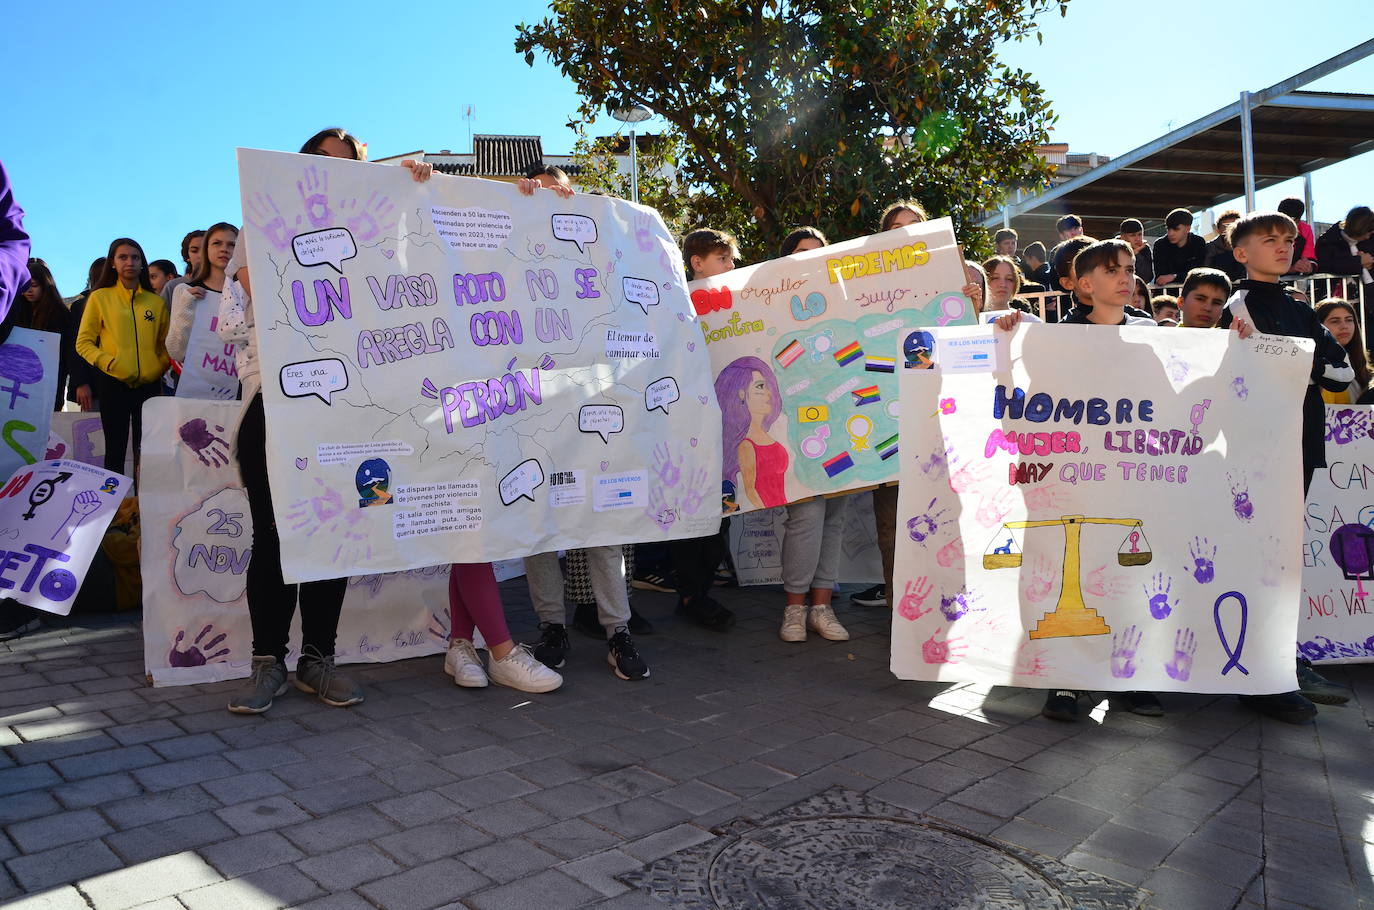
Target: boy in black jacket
1179 251
1263 242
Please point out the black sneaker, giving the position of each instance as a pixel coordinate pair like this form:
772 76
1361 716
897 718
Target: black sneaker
652 580
1317 688
1289 707
639 625
1146 704
17 619
1061 705
623 657
585 621
875 596
553 647
706 612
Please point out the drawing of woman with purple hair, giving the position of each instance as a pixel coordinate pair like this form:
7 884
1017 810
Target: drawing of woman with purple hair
749 404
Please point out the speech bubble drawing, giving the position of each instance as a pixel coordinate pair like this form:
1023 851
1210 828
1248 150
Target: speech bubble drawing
641 291
603 419
330 247
576 229
522 482
660 393
322 378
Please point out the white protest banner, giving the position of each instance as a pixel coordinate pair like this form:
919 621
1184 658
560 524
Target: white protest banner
53 515
1335 623
78 435
209 369
756 545
196 546
497 375
1103 509
28 386
804 351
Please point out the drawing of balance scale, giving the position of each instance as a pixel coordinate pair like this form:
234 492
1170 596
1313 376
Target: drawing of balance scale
1071 616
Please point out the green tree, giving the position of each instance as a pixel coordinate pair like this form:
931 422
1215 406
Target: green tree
815 112
597 162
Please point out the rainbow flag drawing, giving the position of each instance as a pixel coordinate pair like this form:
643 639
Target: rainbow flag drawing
838 465
875 364
788 355
868 395
887 448
848 354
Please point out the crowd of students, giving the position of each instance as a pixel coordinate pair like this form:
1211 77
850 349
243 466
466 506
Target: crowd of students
135 317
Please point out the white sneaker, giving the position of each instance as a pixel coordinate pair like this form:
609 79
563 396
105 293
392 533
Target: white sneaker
520 670
822 621
462 663
793 623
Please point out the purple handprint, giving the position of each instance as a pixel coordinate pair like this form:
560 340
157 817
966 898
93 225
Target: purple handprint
1185 646
924 526
314 187
1347 425
693 498
1160 605
196 434
264 215
195 654
668 471
958 604
1124 645
1240 498
659 510
644 237
1203 568
366 222
1238 386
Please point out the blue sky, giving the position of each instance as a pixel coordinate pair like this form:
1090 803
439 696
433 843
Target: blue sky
125 122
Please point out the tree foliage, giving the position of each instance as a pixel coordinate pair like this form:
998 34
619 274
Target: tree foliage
815 112
597 159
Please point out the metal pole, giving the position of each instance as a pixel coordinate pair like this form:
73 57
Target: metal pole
634 167
1307 202
1247 151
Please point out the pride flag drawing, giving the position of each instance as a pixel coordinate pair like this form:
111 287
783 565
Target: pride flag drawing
867 395
848 354
876 364
887 448
788 355
838 465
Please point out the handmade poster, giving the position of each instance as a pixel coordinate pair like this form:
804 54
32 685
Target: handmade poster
28 386
53 515
805 352
209 370
454 371
756 545
1335 623
77 435
1102 509
196 546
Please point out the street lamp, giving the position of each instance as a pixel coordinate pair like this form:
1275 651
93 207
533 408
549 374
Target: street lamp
635 113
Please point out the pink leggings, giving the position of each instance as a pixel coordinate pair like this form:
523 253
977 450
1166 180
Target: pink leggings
473 599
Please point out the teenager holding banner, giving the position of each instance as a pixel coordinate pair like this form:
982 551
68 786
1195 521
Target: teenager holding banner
123 333
271 601
219 245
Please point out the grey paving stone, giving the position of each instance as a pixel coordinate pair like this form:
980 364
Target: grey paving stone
56 747
62 725
172 774
1035 837
747 778
346 900
242 855
27 804
269 756
242 787
149 881
339 830
415 809
509 859
566 801
335 795
31 777
412 777
348 868
324 769
109 761
637 817
62 865
483 760
136 845
147 809
94 791
61 828
573 838
427 886
183 747
598 871
1127 845
907 795
270 889
1131 875
262 814
430 842
510 817
658 845
551 890
696 797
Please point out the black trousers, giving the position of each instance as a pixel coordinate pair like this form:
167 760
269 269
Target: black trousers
695 560
120 407
272 602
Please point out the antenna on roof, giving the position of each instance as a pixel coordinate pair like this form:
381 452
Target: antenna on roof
469 114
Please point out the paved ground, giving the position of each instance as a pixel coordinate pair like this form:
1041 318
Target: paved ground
114 794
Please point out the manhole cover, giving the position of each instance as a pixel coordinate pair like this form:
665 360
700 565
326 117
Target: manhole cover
842 849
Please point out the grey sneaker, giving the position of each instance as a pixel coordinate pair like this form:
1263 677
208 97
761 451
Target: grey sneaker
315 674
266 681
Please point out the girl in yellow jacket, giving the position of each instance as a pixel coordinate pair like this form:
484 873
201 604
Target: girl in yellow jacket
123 335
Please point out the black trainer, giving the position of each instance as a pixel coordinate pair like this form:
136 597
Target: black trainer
1317 688
706 612
1061 705
16 619
552 650
875 596
624 658
1146 704
1289 707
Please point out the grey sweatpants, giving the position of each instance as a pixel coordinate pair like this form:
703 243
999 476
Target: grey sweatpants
607 568
811 544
